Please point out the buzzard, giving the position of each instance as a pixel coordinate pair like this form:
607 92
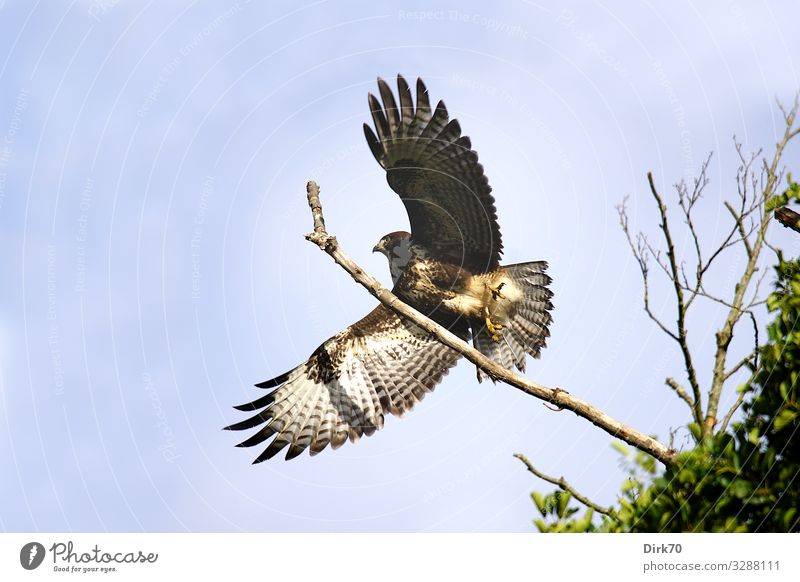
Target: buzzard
447 267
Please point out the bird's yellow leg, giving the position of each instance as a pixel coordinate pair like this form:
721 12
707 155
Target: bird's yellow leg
493 328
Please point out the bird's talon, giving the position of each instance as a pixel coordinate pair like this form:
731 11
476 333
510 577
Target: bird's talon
496 291
494 329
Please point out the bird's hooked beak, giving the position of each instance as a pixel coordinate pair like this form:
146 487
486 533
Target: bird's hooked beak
378 248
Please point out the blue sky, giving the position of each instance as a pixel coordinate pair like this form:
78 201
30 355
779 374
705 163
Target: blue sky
152 212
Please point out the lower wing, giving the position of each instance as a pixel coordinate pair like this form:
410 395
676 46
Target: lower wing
380 364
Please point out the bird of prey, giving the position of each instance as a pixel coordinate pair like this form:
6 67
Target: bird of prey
447 267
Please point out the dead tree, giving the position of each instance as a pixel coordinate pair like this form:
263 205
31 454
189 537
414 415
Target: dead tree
758 180
758 187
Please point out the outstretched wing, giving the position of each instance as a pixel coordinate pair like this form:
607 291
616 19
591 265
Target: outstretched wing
437 175
380 364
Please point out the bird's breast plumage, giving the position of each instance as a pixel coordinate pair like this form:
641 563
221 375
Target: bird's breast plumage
426 282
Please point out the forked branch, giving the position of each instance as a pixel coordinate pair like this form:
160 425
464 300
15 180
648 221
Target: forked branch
562 484
674 275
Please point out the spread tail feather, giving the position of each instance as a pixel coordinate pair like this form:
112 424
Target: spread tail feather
526 329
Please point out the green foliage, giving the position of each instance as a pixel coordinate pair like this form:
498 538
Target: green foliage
791 194
726 483
774 415
743 480
558 516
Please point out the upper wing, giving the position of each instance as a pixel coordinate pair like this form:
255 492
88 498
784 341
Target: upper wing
437 175
377 365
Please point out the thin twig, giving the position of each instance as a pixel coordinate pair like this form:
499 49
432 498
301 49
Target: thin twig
562 484
679 390
556 396
743 362
740 225
725 421
687 202
639 252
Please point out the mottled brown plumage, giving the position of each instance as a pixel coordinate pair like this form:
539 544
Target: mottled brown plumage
447 268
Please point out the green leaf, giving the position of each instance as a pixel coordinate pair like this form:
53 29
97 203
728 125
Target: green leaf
776 201
538 499
620 448
563 500
753 435
788 518
741 488
585 522
784 417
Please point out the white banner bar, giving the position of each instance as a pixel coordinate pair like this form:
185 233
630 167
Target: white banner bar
389 557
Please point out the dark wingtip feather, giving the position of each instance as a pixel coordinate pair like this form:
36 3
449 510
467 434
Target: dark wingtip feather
255 420
257 438
383 87
406 103
464 142
381 125
390 106
294 451
423 104
374 106
374 144
263 457
273 449
265 400
421 88
276 381
454 127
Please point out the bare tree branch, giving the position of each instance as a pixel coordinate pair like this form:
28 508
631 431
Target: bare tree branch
749 358
725 421
681 319
789 116
640 253
687 200
679 390
562 484
770 180
556 396
757 182
740 225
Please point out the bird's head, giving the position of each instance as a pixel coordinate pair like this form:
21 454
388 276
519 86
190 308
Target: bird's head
395 246
393 242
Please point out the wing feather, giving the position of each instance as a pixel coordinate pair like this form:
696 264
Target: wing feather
406 104
434 170
380 364
392 112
